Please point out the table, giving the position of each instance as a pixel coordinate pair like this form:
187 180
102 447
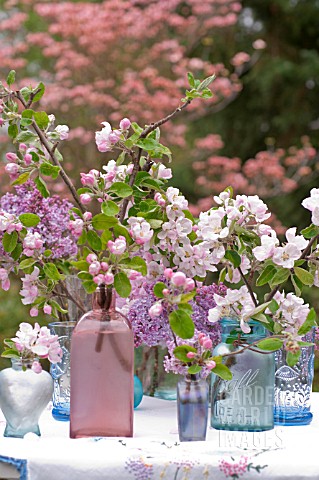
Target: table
155 452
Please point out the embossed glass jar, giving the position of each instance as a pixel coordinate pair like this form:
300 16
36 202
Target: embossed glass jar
246 402
293 386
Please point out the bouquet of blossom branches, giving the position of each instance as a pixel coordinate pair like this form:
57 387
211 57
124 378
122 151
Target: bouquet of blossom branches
144 232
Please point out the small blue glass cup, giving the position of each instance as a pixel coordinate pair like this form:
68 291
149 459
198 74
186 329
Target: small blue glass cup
60 371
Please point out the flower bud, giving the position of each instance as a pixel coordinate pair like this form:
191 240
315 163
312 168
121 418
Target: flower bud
125 124
12 168
91 258
87 216
168 273
34 312
155 310
11 157
189 285
47 309
27 159
178 279
85 198
190 354
108 278
211 364
36 367
207 343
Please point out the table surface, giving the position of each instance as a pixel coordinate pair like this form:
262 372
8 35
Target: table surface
156 453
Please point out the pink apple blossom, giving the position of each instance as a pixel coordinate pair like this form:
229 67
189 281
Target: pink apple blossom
178 279
62 131
117 247
125 124
85 198
155 310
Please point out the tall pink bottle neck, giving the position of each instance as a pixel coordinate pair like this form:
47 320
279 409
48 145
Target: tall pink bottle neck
104 299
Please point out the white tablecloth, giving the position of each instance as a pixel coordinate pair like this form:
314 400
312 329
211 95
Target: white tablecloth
155 452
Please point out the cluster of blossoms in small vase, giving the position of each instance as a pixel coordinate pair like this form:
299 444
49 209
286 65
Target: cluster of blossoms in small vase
32 343
145 233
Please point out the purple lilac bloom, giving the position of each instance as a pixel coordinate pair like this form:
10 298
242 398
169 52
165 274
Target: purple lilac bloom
54 215
140 469
156 331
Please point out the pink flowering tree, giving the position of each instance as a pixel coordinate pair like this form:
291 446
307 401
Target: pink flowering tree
143 229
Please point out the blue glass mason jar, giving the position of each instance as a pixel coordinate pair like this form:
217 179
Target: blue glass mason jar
246 402
293 386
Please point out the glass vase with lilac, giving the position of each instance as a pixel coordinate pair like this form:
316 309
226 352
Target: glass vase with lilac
153 337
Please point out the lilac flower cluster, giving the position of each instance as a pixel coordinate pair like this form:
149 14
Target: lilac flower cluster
54 215
156 331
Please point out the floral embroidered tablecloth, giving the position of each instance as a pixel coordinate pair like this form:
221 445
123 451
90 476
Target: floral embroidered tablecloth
155 452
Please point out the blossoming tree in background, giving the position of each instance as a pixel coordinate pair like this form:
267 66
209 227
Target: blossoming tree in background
145 232
111 58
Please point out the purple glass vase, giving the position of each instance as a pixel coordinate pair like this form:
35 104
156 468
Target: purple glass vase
102 361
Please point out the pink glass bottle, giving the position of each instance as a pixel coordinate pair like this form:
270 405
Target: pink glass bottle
102 361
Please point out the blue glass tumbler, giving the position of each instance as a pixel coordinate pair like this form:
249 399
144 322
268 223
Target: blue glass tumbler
293 386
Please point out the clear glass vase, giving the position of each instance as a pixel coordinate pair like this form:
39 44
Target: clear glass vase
102 361
192 408
246 402
293 386
24 395
61 371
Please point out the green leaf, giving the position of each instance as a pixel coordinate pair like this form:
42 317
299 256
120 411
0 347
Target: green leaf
16 253
57 306
280 276
40 89
29 219
260 317
136 128
28 262
13 131
222 371
49 170
181 352
270 344
191 79
103 222
140 177
41 119
205 83
81 265
21 179
308 323
9 342
28 113
25 137
11 77
182 324
122 285
9 241
89 286
105 237
25 92
266 275
233 257
85 276
273 306
297 284
94 240
83 237
305 344
154 223
158 289
186 306
310 231
147 144
10 353
187 297
120 230
304 276
193 369
42 187
51 271
292 358
110 208
121 189
136 263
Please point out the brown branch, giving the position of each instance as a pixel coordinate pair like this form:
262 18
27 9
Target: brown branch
251 293
136 157
53 157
